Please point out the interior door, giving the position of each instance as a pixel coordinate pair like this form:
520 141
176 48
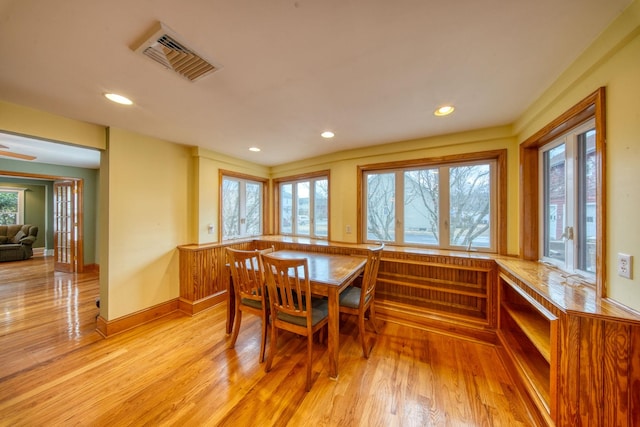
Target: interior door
67 226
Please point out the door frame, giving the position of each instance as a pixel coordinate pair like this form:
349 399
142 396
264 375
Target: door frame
78 265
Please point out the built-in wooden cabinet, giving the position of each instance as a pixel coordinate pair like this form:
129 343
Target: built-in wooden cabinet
455 293
529 334
577 356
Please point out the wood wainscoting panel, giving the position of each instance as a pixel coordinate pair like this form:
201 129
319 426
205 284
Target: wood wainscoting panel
435 289
204 278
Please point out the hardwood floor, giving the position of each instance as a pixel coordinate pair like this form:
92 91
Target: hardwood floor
56 370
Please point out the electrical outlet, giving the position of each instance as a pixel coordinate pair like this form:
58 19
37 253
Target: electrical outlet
625 262
348 229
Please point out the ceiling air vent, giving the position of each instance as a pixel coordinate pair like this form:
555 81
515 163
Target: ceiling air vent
164 47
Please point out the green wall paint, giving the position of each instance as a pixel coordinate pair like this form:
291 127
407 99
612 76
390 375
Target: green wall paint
39 201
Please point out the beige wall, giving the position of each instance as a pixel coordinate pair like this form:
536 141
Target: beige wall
613 61
148 212
27 121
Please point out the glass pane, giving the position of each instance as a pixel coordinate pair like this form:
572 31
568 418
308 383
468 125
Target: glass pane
253 208
321 208
302 207
230 208
587 184
421 206
555 199
286 206
8 207
381 218
469 206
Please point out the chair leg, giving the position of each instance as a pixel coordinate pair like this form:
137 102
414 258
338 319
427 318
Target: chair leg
236 328
363 338
372 317
272 347
263 342
309 358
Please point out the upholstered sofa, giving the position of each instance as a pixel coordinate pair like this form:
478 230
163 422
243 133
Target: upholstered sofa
16 241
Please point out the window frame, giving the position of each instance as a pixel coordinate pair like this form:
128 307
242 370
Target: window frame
263 195
311 177
591 106
463 159
21 202
571 211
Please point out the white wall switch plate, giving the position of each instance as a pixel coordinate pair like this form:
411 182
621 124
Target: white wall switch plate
625 263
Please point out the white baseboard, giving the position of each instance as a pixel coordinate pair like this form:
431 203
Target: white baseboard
42 252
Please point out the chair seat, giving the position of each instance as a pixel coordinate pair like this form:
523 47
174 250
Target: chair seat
251 302
319 310
350 297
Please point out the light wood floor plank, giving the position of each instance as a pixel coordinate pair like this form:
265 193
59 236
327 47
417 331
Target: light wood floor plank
178 371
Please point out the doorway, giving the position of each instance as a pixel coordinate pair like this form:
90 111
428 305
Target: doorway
68 219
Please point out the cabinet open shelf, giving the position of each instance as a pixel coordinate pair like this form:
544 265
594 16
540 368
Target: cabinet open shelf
533 326
528 333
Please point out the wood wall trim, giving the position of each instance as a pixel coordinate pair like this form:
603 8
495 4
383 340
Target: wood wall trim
194 307
266 219
109 328
499 156
294 178
591 106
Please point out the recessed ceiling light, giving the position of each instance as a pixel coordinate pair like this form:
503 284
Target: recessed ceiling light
445 110
118 98
327 134
255 149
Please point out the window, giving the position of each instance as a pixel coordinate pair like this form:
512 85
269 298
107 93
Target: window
304 205
11 206
242 202
568 184
586 182
450 203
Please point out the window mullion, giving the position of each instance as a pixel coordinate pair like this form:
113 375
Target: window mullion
312 207
399 201
242 212
570 211
444 206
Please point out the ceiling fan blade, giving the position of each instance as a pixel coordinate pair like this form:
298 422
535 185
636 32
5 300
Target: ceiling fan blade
17 155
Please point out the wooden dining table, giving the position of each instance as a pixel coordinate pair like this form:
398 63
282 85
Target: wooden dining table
329 275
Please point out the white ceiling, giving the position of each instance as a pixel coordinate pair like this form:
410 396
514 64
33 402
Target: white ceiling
372 71
49 152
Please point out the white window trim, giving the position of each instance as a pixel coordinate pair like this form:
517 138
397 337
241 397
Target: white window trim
242 208
294 208
21 201
571 212
443 205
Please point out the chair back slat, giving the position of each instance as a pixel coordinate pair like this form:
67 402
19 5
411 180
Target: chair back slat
370 274
247 273
288 284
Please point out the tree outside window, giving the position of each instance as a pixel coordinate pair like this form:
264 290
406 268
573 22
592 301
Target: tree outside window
242 207
11 206
447 206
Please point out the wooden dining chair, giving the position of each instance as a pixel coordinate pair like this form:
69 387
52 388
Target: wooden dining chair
358 300
247 275
292 307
